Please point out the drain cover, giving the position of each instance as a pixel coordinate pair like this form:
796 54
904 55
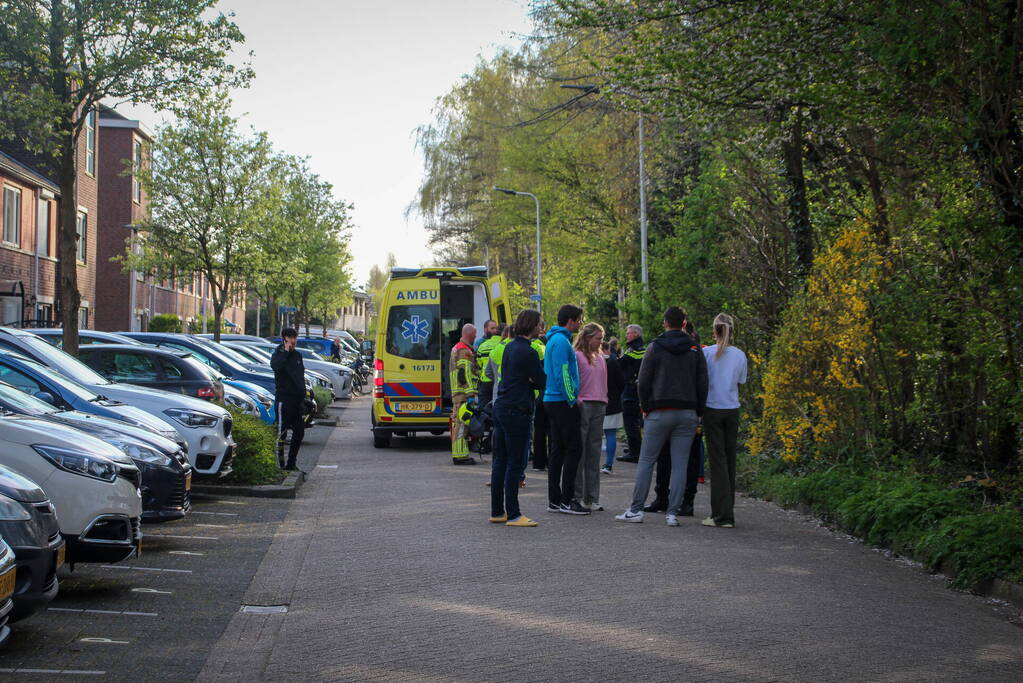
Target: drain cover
264 609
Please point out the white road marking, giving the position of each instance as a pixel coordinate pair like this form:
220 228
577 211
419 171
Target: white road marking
65 672
221 514
146 569
264 609
119 613
183 552
104 641
151 590
213 526
327 467
191 538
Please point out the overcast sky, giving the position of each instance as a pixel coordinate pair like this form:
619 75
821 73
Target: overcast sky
346 82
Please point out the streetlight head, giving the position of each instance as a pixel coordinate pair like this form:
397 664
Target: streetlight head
506 191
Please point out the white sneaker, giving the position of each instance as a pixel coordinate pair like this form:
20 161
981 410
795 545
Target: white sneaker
596 507
605 470
672 520
630 516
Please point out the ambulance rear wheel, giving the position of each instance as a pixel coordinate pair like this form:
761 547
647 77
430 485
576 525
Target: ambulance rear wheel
436 432
381 440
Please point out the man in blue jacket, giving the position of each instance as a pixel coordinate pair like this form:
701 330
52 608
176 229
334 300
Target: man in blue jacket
562 408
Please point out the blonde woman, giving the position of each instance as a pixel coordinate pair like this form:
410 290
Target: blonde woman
593 404
726 369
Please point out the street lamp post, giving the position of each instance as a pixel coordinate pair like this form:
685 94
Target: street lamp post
539 292
644 273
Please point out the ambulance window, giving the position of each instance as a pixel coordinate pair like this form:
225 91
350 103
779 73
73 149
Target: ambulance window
413 332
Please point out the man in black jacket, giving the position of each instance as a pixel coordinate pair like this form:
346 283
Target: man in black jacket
289 375
672 386
631 416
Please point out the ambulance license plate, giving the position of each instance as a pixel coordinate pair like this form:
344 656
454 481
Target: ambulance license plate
415 407
7 584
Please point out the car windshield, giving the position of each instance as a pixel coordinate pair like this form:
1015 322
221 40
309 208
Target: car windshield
18 401
40 370
249 356
63 362
233 361
263 353
310 354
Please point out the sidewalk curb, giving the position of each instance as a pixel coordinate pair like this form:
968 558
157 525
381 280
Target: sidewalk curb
286 489
999 589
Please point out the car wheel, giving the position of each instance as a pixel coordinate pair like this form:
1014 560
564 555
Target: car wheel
381 440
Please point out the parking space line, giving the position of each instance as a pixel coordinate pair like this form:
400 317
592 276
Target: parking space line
183 552
119 613
151 590
65 672
327 467
146 569
221 514
104 641
213 526
193 538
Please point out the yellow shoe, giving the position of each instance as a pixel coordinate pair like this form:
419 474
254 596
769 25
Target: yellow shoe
498 520
522 520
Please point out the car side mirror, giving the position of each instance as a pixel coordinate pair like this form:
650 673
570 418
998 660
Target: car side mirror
46 396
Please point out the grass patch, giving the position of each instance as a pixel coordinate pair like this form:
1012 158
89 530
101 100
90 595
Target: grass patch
322 397
940 523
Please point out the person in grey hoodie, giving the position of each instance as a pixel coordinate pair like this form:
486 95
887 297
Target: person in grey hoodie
672 387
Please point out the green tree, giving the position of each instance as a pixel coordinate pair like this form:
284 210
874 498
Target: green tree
210 190
63 57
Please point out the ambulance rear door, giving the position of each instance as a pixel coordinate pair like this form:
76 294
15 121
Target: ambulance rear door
497 289
412 356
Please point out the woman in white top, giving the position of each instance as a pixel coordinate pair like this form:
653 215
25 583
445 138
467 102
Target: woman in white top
726 370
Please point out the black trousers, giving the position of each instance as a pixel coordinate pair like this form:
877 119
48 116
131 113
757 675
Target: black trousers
566 448
692 471
289 416
633 420
539 436
485 393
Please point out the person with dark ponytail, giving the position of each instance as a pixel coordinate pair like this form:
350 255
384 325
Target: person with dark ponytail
726 370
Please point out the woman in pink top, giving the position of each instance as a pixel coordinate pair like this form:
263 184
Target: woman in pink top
592 405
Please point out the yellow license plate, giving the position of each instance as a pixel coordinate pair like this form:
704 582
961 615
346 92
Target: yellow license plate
7 584
415 406
188 481
61 553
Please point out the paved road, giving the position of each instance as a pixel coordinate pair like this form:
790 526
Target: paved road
390 571
157 617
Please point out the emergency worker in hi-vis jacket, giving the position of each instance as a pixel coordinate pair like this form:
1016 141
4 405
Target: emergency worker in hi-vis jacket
464 382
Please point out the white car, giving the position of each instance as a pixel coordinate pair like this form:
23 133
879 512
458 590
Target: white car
93 486
206 427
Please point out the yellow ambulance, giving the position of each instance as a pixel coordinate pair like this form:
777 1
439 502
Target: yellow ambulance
420 319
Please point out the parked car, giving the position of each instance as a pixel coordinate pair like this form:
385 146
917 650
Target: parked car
163 464
28 523
206 352
148 366
8 578
234 337
340 376
205 426
251 399
55 336
93 485
313 376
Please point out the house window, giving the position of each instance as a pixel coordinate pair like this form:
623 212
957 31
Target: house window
43 228
83 318
44 313
90 142
82 230
136 163
12 215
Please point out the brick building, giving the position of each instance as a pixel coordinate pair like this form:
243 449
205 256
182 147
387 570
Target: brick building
129 300
30 210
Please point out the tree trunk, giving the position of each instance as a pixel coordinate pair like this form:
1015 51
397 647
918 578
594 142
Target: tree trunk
799 210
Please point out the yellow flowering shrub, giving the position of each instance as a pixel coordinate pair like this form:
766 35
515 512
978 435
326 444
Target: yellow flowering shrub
815 388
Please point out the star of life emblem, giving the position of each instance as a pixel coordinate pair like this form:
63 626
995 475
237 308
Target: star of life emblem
415 329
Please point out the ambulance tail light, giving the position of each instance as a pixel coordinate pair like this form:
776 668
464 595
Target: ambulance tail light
378 378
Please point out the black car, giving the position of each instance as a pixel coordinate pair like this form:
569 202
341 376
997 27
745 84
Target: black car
166 475
28 524
167 369
206 351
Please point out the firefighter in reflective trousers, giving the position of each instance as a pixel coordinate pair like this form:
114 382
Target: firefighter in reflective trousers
464 380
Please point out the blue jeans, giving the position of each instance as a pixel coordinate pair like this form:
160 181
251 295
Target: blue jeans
511 451
610 446
678 426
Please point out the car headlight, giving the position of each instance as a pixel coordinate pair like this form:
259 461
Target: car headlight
191 418
79 462
137 451
246 406
12 510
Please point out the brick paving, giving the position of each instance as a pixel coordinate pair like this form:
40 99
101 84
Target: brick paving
390 571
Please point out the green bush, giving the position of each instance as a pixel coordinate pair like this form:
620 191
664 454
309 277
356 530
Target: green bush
944 525
195 326
255 456
165 322
322 397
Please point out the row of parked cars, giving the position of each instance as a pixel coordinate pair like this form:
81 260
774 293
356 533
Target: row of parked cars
96 445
